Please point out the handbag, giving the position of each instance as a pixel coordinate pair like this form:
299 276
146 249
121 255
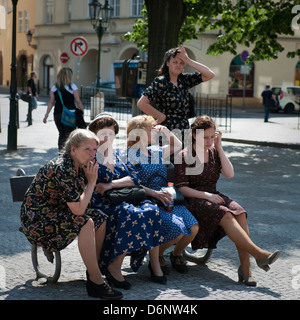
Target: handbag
79 119
192 110
25 97
130 194
68 117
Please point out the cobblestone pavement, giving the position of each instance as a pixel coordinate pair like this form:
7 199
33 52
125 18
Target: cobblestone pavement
266 184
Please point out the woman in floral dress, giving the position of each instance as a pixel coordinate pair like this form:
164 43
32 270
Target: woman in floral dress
56 208
179 226
131 229
217 214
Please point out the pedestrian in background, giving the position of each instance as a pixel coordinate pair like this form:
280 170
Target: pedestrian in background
31 89
70 96
269 100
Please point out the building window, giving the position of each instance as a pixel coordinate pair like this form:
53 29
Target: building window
49 12
116 6
20 21
69 10
26 21
136 7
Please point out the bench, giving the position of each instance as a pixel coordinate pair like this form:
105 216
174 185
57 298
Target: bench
19 185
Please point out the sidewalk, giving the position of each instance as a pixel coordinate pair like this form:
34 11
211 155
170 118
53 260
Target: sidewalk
266 184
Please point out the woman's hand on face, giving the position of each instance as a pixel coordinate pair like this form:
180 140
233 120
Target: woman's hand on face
182 54
91 171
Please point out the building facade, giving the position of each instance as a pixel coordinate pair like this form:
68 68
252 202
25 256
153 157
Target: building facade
56 23
24 51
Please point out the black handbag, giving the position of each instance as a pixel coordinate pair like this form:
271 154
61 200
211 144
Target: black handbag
131 194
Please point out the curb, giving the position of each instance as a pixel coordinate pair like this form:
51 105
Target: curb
264 143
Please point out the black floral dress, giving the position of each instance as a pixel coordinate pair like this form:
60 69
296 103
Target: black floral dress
46 218
171 100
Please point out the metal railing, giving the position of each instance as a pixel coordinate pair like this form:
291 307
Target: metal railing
216 106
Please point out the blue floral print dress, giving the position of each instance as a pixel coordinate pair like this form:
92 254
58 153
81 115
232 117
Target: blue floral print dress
130 229
153 174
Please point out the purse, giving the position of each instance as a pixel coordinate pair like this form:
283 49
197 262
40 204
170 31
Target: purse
130 194
68 117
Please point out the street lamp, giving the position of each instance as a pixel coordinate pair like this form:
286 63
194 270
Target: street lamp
100 17
12 125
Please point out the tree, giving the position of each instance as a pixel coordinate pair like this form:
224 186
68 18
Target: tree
168 23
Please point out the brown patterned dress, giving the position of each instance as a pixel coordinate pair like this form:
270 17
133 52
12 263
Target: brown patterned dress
208 214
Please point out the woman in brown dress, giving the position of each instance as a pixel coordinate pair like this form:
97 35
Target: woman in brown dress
217 214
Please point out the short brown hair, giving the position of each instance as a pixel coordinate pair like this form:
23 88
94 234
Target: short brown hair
104 122
202 122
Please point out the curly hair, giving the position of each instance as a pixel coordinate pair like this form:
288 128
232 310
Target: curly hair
202 122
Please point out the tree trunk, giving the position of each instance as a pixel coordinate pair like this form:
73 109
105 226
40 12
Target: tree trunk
165 18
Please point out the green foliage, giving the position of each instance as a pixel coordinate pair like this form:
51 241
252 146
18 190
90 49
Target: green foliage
256 23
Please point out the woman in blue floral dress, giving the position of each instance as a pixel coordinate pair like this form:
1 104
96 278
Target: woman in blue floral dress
179 226
131 229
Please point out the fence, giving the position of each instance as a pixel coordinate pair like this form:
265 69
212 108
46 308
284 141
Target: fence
216 106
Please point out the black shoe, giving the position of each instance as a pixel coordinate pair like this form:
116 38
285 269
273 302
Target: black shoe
181 268
164 268
158 279
103 291
116 283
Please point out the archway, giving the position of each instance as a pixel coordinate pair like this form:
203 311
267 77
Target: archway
22 75
48 72
236 78
88 68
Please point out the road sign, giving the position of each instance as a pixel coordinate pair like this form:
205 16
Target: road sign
64 58
79 46
245 70
244 55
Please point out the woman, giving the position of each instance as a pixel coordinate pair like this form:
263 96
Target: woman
70 96
56 208
216 213
179 225
169 91
131 229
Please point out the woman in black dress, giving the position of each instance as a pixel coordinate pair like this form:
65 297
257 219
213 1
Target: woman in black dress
217 214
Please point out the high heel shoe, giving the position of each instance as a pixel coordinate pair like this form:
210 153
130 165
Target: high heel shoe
155 278
248 281
264 263
116 283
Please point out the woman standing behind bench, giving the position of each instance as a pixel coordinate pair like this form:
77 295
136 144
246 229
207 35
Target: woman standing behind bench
56 208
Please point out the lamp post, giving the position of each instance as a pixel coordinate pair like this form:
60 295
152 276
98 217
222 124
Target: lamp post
12 125
100 17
